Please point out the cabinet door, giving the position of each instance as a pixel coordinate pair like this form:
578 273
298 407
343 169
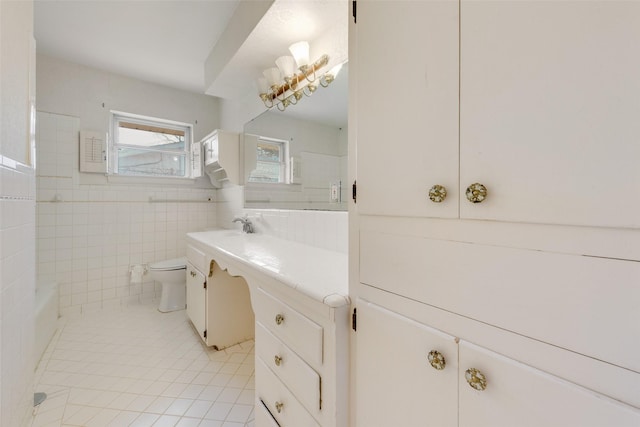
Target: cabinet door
519 395
549 111
196 299
395 382
406 91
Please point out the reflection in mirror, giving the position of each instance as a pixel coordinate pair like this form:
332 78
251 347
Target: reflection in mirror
297 159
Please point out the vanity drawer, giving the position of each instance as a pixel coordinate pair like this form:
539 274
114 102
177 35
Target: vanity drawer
284 407
300 333
263 417
197 259
301 379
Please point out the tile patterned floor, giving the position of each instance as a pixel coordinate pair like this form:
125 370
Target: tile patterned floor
140 367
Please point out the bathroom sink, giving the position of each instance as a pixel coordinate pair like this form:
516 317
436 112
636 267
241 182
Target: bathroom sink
220 238
295 264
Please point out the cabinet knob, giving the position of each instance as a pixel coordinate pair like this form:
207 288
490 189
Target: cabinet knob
476 379
437 193
193 274
436 359
279 319
277 360
279 406
476 193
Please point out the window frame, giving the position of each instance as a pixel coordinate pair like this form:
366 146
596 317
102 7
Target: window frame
284 160
116 117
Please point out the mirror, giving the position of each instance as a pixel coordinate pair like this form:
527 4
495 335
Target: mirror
297 158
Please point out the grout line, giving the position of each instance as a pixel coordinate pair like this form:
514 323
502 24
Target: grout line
110 344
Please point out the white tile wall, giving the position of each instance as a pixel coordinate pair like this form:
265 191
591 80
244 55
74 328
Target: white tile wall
17 292
318 171
88 235
323 229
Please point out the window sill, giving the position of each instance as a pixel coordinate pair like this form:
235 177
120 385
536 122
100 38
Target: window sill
273 186
117 179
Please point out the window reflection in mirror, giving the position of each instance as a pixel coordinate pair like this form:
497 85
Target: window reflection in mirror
309 171
272 162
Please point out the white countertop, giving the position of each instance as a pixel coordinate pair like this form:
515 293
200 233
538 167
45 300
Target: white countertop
318 273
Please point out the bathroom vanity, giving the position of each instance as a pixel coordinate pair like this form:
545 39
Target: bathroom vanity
300 299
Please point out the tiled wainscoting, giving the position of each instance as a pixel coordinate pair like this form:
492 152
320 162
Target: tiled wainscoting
17 290
323 229
138 367
89 235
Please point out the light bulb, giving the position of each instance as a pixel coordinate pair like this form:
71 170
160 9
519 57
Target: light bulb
273 76
287 66
300 52
263 86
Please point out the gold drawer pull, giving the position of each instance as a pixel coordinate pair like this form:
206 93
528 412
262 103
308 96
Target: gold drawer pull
279 319
476 379
476 193
279 406
437 193
436 359
277 360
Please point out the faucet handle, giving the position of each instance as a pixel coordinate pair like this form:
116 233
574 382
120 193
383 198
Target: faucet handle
247 226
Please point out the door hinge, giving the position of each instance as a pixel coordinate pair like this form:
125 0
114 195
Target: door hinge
354 192
354 320
354 11
204 333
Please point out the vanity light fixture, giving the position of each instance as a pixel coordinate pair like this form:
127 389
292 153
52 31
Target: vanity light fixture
294 77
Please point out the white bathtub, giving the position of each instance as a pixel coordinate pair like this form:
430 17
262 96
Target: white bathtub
46 307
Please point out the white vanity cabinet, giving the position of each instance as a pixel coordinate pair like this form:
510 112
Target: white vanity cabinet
218 304
451 382
300 355
197 299
302 324
197 290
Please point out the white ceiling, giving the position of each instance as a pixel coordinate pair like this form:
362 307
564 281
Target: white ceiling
168 42
164 42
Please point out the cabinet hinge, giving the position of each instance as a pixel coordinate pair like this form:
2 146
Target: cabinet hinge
204 284
354 9
204 334
354 320
354 192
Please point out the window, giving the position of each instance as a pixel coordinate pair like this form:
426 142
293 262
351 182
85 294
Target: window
145 146
271 161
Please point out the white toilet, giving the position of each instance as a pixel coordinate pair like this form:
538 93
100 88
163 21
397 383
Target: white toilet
172 273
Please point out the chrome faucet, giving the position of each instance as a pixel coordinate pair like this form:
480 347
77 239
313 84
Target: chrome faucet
247 226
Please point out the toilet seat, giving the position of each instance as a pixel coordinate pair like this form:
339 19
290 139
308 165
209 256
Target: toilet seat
169 264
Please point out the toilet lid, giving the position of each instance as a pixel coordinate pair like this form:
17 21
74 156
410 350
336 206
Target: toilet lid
169 264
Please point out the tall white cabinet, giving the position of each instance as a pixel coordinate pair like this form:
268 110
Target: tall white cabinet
536 101
523 276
